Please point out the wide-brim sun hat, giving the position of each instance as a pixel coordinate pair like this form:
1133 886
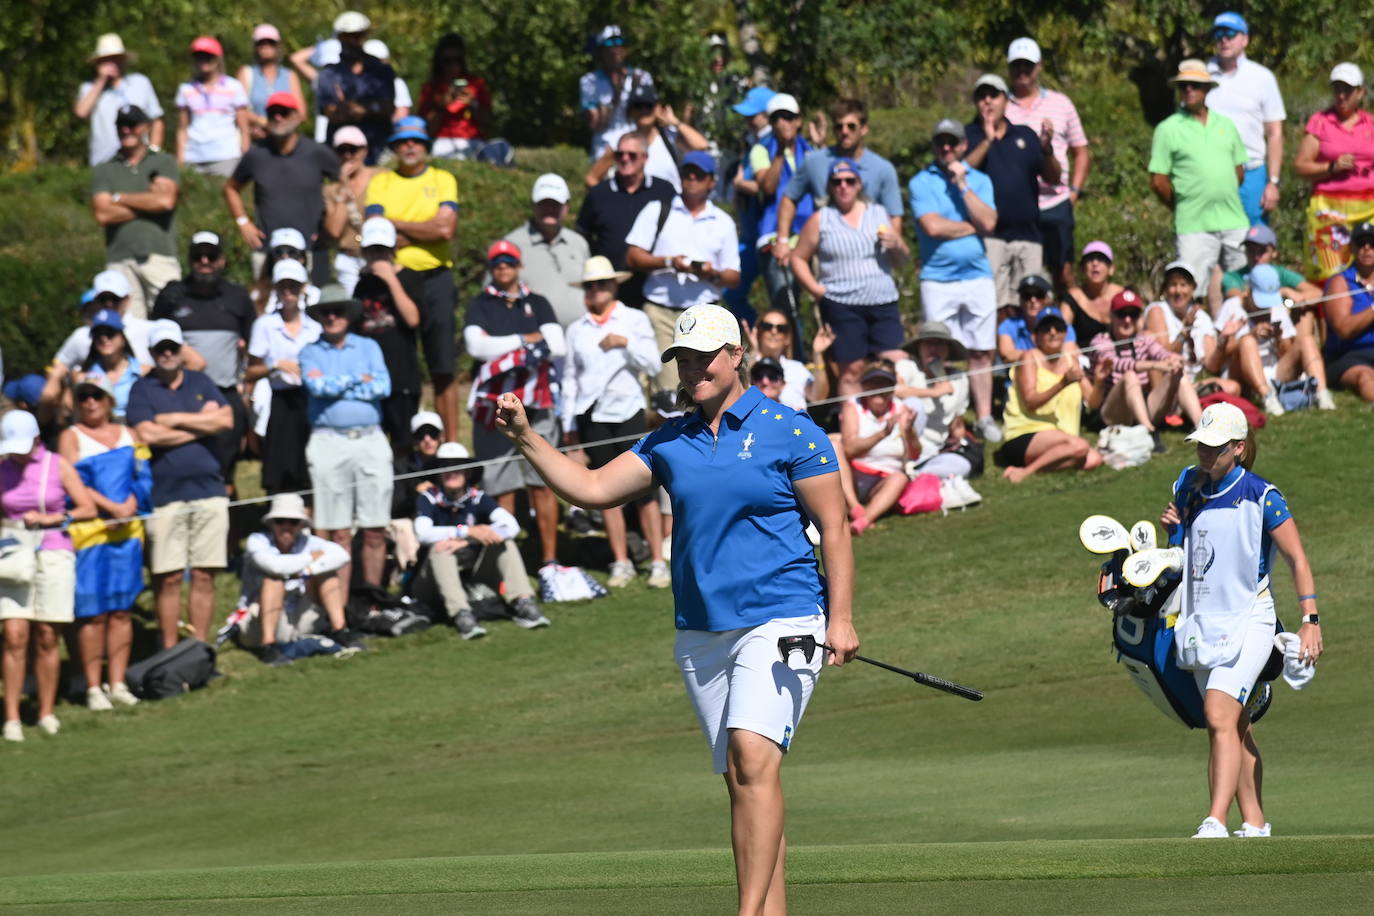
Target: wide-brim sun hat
334 296
1220 424
937 330
287 507
600 268
703 328
1193 70
108 45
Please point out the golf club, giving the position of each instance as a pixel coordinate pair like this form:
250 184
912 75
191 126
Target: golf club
1146 566
1144 536
807 645
1103 534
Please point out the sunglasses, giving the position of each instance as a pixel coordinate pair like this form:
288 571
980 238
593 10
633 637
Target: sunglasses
986 92
613 43
204 255
107 298
1366 242
1219 34
767 375
784 116
846 180
333 311
1027 294
1187 87
165 348
348 149
598 284
1130 315
101 333
277 111
695 175
847 126
288 251
946 142
427 432
90 394
781 328
627 155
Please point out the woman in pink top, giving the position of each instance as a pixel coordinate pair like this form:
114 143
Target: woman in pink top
1337 156
35 488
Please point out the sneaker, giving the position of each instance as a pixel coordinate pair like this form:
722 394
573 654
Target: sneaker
1324 402
972 496
467 626
348 639
621 574
97 701
13 731
271 654
526 613
121 694
987 428
659 576
579 521
950 497
1248 829
1211 829
50 724
1272 405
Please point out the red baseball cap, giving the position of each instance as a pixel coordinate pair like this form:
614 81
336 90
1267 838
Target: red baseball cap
283 100
503 248
1126 300
207 45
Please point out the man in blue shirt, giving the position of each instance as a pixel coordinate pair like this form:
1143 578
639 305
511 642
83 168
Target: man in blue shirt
178 413
954 209
346 380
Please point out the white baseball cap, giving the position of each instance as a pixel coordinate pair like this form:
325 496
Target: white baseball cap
351 22
1220 424
205 237
426 418
703 328
18 430
377 48
550 187
378 231
782 102
286 237
993 80
164 329
452 450
1347 73
111 281
1024 49
289 269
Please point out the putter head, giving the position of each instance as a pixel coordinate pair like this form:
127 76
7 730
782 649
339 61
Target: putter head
1103 534
804 644
1145 567
1144 536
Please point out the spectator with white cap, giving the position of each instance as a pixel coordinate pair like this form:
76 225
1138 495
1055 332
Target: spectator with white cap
213 125
426 435
375 47
344 202
552 254
178 413
390 317
100 99
293 583
773 161
1248 94
1197 164
109 292
134 199
1034 106
359 89
265 77
274 350
606 91
1018 160
284 243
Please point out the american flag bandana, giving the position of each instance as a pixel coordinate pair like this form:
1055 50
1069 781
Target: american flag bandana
527 371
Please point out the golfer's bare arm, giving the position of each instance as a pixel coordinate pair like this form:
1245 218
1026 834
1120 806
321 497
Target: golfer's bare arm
823 501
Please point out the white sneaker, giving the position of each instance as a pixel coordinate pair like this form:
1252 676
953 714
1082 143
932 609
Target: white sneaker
1272 405
121 694
621 574
972 496
13 731
1248 829
96 701
659 576
951 497
987 428
50 724
1325 401
1211 829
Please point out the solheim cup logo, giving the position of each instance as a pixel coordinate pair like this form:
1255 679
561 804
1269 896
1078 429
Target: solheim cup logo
686 323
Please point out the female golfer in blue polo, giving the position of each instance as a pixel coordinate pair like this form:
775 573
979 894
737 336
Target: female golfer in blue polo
744 474
1232 520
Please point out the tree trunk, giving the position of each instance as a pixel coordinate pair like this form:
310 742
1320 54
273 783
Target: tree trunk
751 46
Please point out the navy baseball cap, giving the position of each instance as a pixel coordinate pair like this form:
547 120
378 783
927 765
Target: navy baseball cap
1231 20
699 159
755 101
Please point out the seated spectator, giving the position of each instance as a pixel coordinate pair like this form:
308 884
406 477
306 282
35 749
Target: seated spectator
1013 334
937 394
265 77
112 89
766 374
1182 324
179 413
659 129
878 433
358 89
459 526
292 579
426 434
454 102
274 349
606 91
771 338
610 350
213 130
1089 309
514 337
109 556
1264 348
1044 409
36 487
25 392
344 201
1350 319
375 47
1337 156
390 317
1261 247
1135 379
553 255
348 455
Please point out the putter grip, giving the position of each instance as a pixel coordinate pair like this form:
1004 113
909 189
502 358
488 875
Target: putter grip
940 683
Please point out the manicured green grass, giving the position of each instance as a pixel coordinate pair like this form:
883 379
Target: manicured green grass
561 770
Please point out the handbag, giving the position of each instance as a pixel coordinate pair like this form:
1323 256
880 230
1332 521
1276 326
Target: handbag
19 545
921 494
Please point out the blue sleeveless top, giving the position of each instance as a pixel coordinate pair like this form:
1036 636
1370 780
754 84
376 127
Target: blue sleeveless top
1360 301
261 89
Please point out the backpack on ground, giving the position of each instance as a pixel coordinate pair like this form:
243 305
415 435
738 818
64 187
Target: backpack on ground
184 667
1125 446
375 612
1297 395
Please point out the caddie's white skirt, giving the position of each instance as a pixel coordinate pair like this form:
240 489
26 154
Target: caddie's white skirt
1237 679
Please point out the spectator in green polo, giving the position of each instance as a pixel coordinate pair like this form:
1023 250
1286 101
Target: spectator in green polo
1197 164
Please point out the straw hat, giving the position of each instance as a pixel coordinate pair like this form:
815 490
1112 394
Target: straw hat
600 268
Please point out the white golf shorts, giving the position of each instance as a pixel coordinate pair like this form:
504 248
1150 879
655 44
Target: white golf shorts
969 307
737 679
1238 678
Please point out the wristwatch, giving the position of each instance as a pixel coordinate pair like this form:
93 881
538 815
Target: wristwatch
1274 179
115 197
1310 618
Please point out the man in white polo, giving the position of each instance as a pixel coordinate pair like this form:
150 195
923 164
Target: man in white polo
1248 94
691 256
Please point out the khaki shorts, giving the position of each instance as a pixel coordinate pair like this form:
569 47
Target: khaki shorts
146 279
52 596
351 479
189 533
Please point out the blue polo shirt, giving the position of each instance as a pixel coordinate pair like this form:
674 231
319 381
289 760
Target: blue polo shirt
740 553
181 472
949 260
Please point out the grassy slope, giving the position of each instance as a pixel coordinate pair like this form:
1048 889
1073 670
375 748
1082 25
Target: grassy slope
576 739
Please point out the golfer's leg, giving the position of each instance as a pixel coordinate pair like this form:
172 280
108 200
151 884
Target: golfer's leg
754 777
1222 712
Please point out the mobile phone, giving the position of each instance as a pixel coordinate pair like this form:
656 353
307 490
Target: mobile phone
698 267
460 84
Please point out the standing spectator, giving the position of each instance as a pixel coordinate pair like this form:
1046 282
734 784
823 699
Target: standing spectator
390 317
349 458
1088 310
1337 156
265 77
1034 106
109 292
610 209
1018 161
375 47
1248 94
286 171
134 198
422 203
855 251
690 256
274 348
514 337
1197 164
359 89
308 61
610 348
553 254
179 413
606 91
744 190
101 99
666 138
109 555
1350 319
454 102
35 488
773 161
111 361
213 125
954 209
344 201
724 87
1136 380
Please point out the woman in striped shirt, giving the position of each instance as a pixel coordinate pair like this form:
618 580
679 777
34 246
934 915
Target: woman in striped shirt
1136 380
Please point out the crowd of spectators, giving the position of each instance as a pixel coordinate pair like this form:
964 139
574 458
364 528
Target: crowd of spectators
122 457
